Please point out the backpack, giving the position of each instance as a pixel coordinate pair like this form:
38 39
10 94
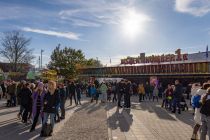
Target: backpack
196 101
46 130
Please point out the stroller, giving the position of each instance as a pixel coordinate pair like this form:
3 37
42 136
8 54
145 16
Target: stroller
183 104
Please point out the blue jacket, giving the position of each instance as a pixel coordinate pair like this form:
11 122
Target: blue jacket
92 90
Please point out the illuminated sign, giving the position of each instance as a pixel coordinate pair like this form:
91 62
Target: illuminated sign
155 58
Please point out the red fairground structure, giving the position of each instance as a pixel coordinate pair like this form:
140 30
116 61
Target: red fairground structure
191 67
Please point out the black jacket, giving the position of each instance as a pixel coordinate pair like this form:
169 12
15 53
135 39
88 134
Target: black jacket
62 93
178 91
127 89
25 95
121 88
51 102
71 88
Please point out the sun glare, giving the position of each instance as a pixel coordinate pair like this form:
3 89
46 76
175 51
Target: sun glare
133 23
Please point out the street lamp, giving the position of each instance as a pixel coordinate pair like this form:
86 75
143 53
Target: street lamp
41 57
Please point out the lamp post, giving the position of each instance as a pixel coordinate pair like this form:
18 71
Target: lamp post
41 57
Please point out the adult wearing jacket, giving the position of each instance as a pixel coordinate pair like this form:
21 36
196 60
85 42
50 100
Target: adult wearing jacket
93 92
197 105
63 97
79 92
141 92
12 92
26 100
72 92
121 91
38 103
103 89
147 91
177 95
51 101
3 87
127 100
205 116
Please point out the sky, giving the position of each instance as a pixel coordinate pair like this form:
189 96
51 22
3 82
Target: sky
109 29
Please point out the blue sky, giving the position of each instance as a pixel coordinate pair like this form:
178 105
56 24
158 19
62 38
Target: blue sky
109 28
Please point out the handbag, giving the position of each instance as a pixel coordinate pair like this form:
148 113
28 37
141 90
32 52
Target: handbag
46 130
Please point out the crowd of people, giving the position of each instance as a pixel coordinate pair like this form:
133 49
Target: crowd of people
40 100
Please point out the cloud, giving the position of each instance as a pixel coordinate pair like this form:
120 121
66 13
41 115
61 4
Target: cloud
94 13
68 35
193 7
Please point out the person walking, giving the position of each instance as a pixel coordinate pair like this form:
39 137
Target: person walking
103 89
1 93
147 91
63 97
11 93
109 93
51 101
3 87
114 91
196 103
78 92
155 93
38 103
168 97
141 92
26 101
72 92
127 94
93 92
205 116
121 91
177 95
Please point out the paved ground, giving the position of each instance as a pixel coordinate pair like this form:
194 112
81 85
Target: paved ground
145 121
87 123
148 121
11 128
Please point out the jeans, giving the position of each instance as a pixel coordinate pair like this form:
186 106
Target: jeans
104 97
176 103
52 117
13 100
205 127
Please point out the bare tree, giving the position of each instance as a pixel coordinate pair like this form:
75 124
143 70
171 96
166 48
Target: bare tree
14 47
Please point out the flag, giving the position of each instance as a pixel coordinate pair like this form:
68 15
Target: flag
207 51
110 60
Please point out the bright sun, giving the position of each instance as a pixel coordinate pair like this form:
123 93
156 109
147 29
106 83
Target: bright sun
133 23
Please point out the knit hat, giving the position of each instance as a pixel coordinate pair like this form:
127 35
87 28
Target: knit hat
40 84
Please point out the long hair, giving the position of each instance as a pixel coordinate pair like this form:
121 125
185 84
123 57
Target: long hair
53 83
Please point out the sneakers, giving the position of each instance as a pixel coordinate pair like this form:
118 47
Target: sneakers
194 137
